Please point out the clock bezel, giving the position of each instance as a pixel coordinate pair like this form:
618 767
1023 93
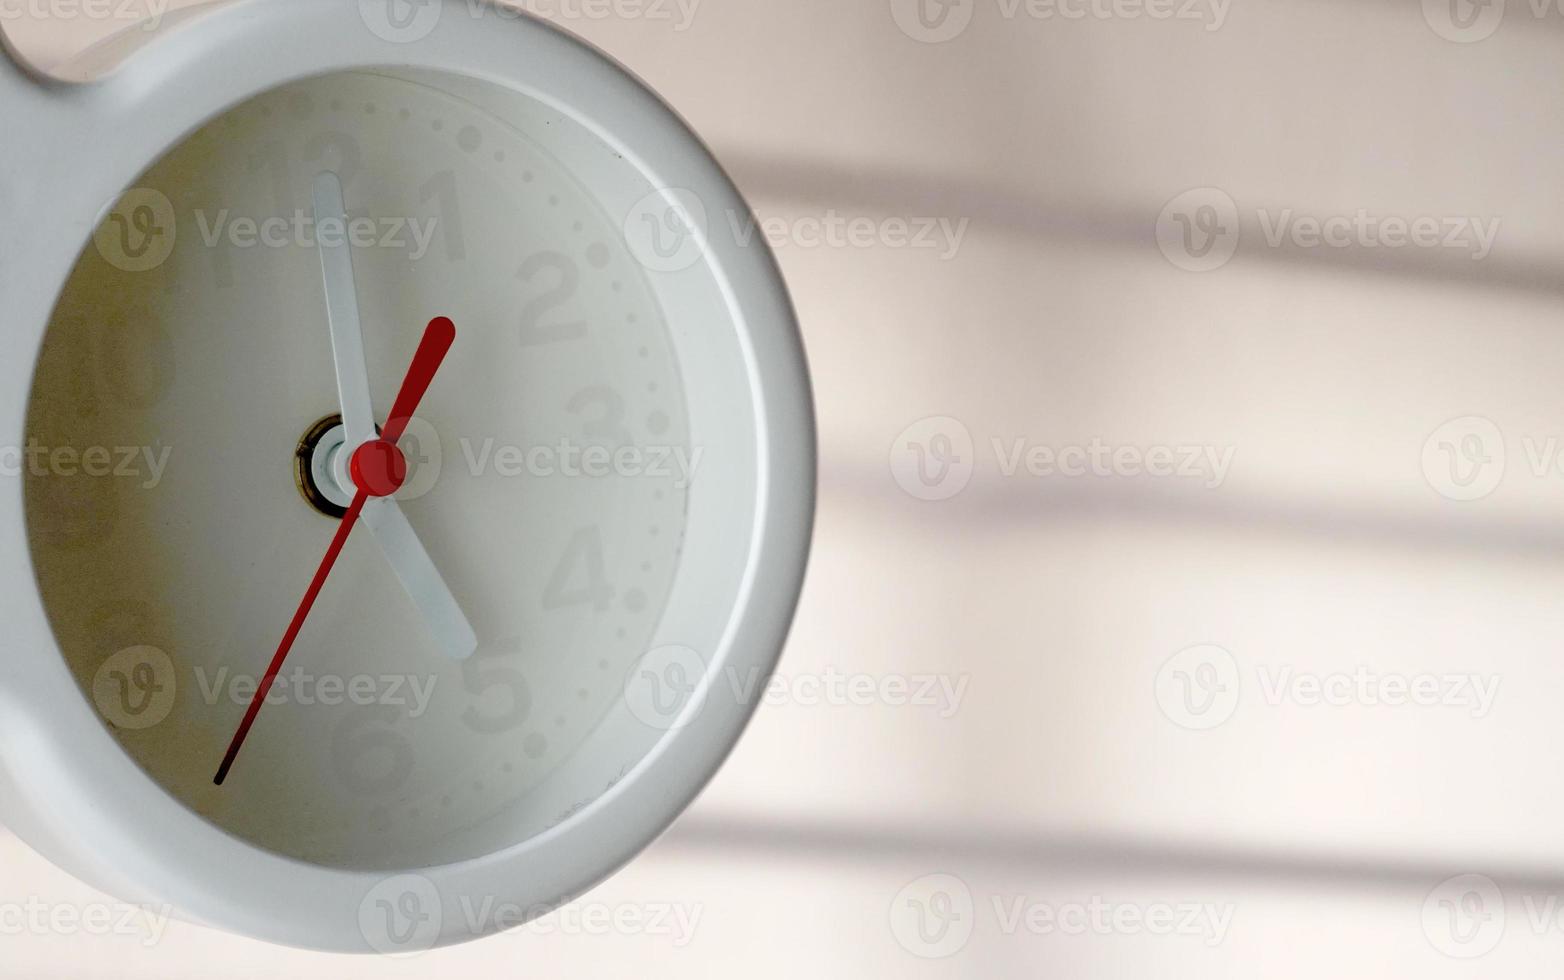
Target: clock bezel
66 787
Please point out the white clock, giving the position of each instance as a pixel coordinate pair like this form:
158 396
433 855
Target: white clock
542 580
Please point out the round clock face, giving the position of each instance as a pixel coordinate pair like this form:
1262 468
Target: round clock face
178 502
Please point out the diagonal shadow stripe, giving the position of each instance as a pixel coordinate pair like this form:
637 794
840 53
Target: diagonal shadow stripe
1452 528
1021 212
956 849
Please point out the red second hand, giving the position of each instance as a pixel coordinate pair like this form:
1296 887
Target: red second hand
438 337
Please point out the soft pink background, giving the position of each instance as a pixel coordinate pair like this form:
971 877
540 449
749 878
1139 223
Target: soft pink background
1059 321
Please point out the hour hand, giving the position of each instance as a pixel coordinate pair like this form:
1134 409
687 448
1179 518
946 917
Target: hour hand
382 516
420 578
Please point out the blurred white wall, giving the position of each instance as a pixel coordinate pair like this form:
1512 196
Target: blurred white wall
1069 754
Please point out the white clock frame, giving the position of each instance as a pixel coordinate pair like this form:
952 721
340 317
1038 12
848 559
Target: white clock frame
71 148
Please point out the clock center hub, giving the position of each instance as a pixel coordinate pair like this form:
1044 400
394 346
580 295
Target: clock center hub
378 468
328 474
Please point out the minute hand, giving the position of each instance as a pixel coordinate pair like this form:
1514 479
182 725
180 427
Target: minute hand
382 515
